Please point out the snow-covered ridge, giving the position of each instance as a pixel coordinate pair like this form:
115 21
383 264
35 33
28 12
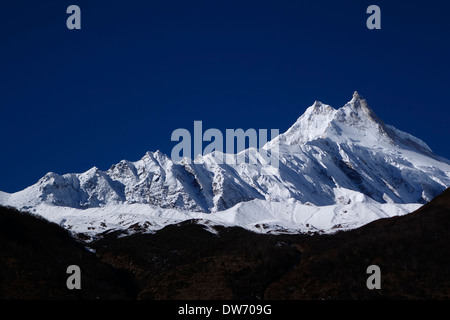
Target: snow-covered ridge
256 215
324 157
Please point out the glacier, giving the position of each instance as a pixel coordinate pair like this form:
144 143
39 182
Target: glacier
338 169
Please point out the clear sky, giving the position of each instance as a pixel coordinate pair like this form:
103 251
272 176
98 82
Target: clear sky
137 70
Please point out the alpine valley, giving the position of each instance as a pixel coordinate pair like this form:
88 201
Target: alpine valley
338 169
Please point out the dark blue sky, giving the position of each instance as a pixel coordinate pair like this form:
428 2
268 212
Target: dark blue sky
72 99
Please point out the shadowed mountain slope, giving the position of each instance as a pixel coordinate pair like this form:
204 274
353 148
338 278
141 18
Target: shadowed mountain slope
412 251
35 254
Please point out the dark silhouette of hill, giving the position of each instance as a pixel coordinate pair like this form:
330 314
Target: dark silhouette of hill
413 252
186 261
35 254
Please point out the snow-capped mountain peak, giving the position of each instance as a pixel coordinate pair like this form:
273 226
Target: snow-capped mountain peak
328 157
355 121
309 126
358 110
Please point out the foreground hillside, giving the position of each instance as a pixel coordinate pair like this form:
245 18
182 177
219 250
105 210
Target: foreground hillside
186 261
35 254
412 251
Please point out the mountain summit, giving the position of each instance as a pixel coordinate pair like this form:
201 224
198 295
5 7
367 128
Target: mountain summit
328 157
355 121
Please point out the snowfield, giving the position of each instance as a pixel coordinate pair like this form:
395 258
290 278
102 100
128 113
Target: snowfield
256 215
